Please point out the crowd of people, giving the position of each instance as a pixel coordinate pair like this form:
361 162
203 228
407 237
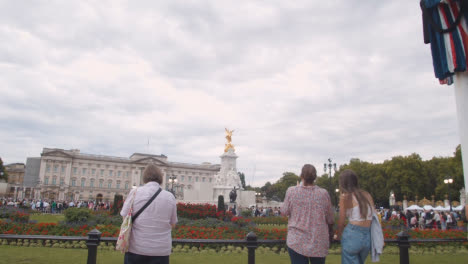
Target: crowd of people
426 219
52 206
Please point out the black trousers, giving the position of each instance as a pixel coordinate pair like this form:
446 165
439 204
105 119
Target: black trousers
132 258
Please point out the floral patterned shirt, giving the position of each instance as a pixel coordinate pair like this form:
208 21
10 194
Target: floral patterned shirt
310 212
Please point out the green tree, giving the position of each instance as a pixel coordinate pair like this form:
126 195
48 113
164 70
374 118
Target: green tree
117 205
242 178
3 173
221 207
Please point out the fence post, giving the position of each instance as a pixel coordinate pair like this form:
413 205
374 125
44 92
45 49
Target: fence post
403 245
251 246
94 236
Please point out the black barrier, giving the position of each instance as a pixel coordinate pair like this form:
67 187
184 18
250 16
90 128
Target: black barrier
251 242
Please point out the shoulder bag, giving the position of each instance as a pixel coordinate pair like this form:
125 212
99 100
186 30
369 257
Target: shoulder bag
126 227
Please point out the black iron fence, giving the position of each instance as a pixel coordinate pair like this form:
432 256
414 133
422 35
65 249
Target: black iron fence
251 242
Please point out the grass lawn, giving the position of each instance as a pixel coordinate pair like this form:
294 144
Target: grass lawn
47 218
22 255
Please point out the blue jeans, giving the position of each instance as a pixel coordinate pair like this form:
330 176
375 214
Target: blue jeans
355 244
297 258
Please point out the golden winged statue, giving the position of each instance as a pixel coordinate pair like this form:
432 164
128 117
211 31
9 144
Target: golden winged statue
228 145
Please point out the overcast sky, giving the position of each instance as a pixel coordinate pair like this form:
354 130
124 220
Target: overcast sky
298 81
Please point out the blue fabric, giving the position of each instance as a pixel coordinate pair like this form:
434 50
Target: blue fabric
355 244
297 258
431 3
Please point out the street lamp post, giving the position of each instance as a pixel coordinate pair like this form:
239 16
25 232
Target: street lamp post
337 191
172 180
330 165
447 182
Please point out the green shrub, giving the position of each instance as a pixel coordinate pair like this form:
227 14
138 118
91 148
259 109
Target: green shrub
77 215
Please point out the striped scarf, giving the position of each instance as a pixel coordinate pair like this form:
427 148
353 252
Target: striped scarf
445 28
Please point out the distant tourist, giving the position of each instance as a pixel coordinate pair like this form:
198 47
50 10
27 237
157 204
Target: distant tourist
310 224
357 206
150 240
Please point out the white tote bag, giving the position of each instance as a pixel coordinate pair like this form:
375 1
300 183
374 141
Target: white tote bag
125 229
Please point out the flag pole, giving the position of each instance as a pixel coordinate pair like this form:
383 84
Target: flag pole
461 100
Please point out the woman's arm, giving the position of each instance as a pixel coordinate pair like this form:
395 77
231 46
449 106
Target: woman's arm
126 205
342 216
285 209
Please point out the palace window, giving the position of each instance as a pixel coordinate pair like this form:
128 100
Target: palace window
84 171
182 178
75 170
73 182
110 173
83 182
46 180
189 178
203 179
91 183
109 184
54 180
126 185
196 179
118 185
93 171
102 172
210 179
119 173
128 174
101 182
55 168
63 169
62 181
47 168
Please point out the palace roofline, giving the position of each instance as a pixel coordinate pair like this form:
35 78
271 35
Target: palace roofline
75 153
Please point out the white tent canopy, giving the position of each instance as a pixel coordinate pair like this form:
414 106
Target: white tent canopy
428 207
440 208
458 208
415 207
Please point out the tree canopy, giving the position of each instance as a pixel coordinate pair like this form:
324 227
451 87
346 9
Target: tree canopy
3 173
408 176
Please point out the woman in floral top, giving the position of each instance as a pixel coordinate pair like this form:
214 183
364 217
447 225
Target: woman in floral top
310 225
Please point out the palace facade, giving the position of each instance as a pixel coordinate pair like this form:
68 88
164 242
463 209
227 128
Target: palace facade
72 175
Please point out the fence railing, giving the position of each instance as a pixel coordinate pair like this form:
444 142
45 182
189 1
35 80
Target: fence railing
251 241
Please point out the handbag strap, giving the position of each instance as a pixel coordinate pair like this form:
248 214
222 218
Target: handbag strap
146 205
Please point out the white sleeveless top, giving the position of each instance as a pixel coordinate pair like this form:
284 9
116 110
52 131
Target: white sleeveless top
354 214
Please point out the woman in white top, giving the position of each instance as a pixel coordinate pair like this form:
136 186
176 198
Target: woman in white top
356 205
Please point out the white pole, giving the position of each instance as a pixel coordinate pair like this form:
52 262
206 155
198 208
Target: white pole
461 99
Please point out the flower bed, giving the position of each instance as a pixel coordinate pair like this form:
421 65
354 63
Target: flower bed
271 220
426 234
14 214
196 211
53 229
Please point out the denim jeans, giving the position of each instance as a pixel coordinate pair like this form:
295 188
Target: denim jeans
297 258
355 244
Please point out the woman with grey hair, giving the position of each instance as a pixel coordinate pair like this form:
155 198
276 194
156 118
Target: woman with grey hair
150 239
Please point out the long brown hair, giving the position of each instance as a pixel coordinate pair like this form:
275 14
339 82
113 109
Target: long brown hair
349 185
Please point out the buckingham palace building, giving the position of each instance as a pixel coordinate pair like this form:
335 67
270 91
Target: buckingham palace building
71 175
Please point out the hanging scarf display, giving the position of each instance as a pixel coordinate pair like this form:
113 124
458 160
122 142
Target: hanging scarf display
445 28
